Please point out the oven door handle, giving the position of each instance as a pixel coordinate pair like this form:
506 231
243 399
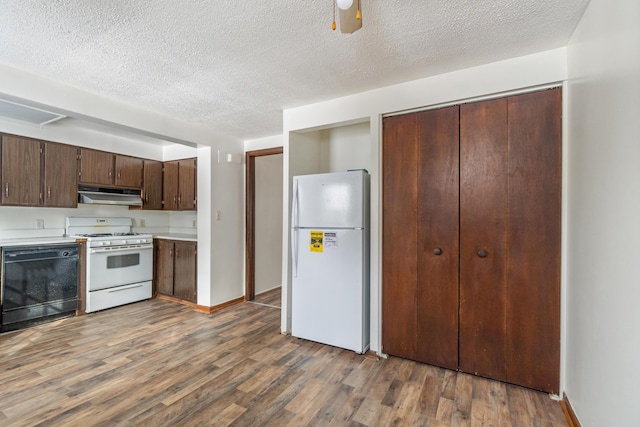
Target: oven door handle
132 248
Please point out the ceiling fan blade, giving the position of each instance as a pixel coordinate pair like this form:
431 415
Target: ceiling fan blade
348 21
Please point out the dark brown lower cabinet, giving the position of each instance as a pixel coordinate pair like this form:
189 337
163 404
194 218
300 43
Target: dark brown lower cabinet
176 269
471 238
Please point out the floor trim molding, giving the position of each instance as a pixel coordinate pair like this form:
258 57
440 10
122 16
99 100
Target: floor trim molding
569 414
209 310
201 308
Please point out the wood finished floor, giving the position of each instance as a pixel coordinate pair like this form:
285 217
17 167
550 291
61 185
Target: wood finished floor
271 297
159 363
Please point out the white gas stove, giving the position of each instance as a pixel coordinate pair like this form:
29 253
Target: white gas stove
119 262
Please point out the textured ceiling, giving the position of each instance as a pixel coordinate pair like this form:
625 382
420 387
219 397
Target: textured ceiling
234 65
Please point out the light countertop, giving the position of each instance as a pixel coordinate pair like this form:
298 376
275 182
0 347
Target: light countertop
33 241
177 236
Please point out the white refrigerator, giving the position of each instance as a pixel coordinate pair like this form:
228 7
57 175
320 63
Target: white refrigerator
330 259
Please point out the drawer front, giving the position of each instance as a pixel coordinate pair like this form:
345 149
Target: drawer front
120 295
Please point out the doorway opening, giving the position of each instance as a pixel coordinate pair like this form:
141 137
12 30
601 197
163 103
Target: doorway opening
263 257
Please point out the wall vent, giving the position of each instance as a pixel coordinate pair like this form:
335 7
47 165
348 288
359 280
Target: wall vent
28 114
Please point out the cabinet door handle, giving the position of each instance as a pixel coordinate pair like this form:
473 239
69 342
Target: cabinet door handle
119 173
49 192
110 172
6 189
482 253
437 251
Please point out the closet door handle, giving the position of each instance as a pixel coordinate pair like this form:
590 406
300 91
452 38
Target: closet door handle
482 253
437 251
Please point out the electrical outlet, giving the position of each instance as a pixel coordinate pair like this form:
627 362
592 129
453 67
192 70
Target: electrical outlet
218 215
39 224
143 223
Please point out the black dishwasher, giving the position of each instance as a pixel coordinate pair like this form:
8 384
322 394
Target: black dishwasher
39 284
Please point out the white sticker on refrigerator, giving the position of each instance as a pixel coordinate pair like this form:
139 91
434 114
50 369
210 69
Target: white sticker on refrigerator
330 240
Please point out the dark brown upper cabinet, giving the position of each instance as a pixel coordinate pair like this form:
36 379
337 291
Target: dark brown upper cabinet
108 169
60 175
38 173
180 185
152 185
21 178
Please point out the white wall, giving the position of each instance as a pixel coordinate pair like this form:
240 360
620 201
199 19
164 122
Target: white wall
262 143
488 80
268 222
66 132
220 242
20 222
603 316
345 147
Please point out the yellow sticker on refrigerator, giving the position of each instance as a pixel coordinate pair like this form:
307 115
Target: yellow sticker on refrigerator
316 241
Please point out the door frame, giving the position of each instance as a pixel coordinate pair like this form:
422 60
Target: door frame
250 223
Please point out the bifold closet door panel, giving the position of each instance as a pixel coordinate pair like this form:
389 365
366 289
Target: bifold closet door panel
483 236
534 228
399 235
438 205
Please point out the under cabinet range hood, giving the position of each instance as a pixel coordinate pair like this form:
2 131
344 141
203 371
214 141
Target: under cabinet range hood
109 196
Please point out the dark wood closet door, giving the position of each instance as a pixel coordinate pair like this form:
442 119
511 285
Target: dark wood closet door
483 213
399 235
534 227
438 200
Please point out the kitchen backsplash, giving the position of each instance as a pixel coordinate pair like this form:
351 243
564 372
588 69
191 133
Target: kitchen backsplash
23 222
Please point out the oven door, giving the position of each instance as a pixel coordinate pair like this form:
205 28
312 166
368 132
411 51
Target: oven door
109 267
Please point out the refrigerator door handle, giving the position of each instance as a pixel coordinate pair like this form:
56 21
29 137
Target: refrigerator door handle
294 250
294 228
294 205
